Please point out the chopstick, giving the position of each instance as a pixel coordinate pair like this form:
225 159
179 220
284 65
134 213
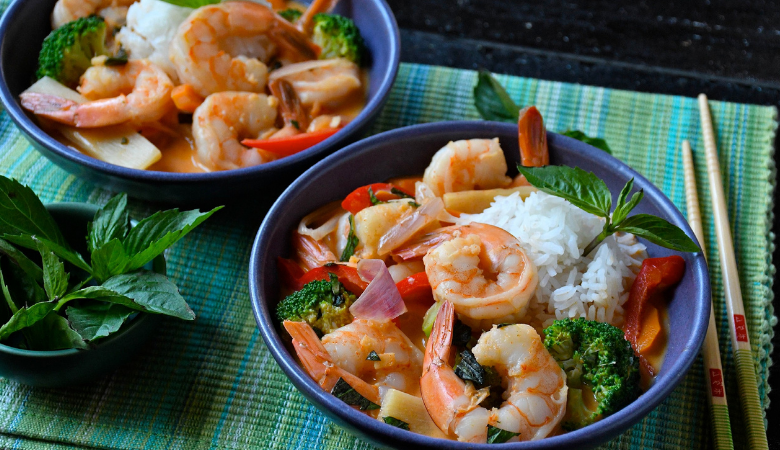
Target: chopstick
713 371
740 341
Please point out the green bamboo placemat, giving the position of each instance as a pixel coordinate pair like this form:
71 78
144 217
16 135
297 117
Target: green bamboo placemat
213 384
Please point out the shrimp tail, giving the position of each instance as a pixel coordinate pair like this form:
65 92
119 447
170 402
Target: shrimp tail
320 365
50 106
418 248
98 113
532 138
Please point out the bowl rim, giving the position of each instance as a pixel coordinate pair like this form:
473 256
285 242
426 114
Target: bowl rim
33 132
592 435
68 208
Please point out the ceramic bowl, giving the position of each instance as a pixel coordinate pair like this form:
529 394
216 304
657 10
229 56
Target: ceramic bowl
407 151
68 367
25 25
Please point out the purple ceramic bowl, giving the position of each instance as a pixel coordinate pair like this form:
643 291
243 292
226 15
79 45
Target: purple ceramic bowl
407 151
26 23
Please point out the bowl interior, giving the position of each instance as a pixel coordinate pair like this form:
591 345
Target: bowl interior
407 152
26 23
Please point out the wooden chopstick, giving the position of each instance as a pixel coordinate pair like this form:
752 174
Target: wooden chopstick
743 355
713 371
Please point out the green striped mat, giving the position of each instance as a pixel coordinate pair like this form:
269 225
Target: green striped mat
213 384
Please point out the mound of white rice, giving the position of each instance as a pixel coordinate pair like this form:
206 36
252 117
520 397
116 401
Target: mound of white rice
553 233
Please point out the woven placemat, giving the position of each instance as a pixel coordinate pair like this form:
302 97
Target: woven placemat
213 384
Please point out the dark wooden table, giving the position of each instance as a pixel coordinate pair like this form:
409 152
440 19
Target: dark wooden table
727 49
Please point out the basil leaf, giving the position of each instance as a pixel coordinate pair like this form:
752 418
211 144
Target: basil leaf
352 241
658 231
461 333
344 392
52 333
400 193
372 356
499 436
111 222
109 260
192 3
119 59
22 213
468 369
622 208
25 317
599 143
396 423
19 258
158 232
372 197
31 242
154 292
8 300
104 295
55 279
583 189
23 289
492 101
96 320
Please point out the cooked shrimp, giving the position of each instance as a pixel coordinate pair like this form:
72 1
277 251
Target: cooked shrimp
312 253
319 364
69 10
138 92
372 223
223 120
224 47
400 362
465 165
483 271
532 139
326 82
535 396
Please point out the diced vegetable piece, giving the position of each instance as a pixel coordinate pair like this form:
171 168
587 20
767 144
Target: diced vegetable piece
370 194
185 98
120 145
474 202
416 289
406 184
410 409
430 318
347 275
287 146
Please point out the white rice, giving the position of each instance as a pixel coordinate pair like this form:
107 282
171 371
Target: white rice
553 233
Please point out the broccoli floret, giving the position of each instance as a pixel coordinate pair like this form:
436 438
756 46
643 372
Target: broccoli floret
291 15
596 357
338 37
324 304
67 52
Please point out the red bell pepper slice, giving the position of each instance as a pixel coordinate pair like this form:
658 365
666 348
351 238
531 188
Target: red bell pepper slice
290 145
416 289
289 272
359 199
347 275
655 276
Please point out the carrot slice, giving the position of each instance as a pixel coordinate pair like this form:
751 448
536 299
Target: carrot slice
185 98
291 145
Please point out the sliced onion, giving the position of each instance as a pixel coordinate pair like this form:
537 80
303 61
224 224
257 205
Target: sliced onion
324 229
381 299
423 192
410 225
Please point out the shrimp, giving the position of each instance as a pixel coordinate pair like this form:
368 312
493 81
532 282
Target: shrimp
326 82
400 362
69 10
536 391
319 364
482 270
225 47
223 120
311 252
532 139
465 165
138 92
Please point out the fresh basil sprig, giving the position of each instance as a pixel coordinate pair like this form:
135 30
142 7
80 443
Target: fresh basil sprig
36 297
494 103
589 193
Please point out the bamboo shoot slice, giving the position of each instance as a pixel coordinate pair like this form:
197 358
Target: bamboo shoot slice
411 410
120 144
474 202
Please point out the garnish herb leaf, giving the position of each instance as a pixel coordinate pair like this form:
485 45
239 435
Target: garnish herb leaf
96 320
461 333
109 260
8 300
31 242
352 241
111 222
102 294
658 231
53 333
372 356
343 391
120 59
583 189
151 236
154 292
492 101
468 369
589 193
400 193
24 263
55 279
396 423
414 204
372 197
26 316
599 143
498 436
23 288
22 213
